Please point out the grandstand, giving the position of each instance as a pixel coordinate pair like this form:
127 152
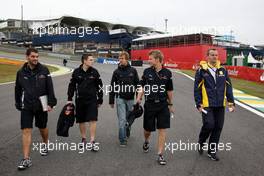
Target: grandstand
103 39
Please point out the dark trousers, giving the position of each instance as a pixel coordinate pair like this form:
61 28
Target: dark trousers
213 123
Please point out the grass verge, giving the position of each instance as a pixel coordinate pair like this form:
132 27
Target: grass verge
249 87
8 72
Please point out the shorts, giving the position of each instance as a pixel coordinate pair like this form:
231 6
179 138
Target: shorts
86 112
27 116
156 115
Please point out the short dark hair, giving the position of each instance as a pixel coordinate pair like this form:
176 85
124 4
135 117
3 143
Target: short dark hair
31 50
210 49
85 56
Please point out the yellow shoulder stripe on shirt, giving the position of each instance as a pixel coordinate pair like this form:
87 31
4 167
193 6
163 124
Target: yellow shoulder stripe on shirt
205 65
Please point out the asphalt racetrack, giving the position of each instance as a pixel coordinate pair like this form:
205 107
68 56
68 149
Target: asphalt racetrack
243 129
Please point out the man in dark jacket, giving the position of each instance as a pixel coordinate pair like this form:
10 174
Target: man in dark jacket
87 86
123 87
211 88
33 81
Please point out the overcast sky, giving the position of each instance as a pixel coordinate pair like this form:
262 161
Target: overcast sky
244 18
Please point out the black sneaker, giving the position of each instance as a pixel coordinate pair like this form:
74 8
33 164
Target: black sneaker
95 146
83 143
123 144
213 156
43 150
161 160
200 149
146 147
24 163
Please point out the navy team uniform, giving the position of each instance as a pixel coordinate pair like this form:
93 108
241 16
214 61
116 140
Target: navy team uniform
87 86
30 85
156 111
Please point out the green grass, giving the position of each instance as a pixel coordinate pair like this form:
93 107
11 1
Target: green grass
8 72
249 87
52 69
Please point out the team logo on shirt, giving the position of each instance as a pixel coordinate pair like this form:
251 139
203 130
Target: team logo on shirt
163 77
42 76
221 73
150 77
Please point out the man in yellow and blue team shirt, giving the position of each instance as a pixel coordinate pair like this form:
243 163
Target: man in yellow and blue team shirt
211 88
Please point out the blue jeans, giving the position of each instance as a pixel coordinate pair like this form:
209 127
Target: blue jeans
123 106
